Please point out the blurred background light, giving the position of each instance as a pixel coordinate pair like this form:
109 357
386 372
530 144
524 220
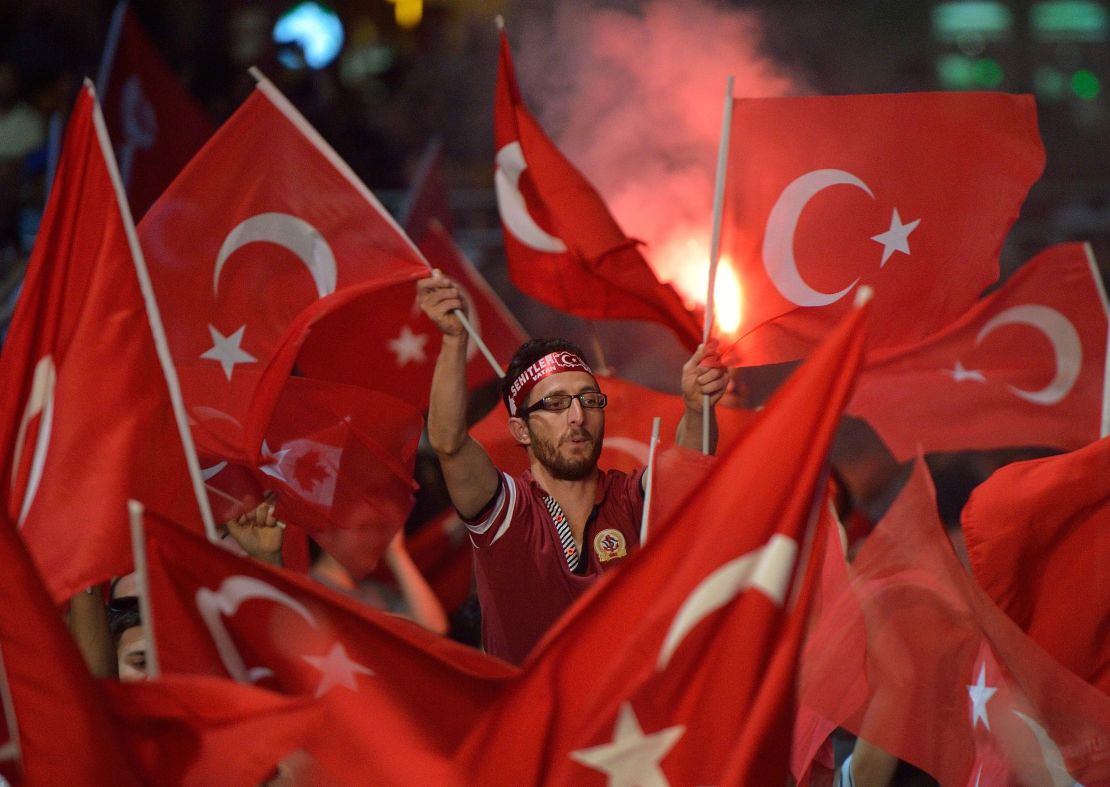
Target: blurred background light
315 29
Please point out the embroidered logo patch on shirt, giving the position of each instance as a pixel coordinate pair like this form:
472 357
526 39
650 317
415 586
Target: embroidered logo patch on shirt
609 544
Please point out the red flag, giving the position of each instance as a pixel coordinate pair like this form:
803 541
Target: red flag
680 667
219 614
155 124
197 730
628 418
57 728
428 201
341 459
953 686
396 345
242 278
1025 366
85 413
911 194
1038 541
563 246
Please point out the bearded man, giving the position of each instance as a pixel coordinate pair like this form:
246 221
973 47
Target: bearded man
542 538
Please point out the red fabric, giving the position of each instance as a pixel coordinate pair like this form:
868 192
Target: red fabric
524 583
63 732
1052 350
155 125
961 163
441 551
628 418
1038 541
428 201
340 459
195 730
411 715
384 341
714 691
928 633
84 398
563 246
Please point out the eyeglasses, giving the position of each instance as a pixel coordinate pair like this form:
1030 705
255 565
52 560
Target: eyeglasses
556 403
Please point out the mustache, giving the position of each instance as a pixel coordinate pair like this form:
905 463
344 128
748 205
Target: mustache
576 434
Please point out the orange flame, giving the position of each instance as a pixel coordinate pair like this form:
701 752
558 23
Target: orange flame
683 260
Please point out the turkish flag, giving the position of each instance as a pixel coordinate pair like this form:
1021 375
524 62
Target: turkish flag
242 279
563 246
1038 540
57 728
911 194
953 686
628 418
340 459
396 344
679 668
1024 366
219 614
428 201
155 125
85 415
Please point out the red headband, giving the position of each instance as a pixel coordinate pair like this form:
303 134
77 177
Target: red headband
552 363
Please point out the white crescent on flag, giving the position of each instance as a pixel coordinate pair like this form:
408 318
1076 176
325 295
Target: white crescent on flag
287 231
510 202
782 223
1066 347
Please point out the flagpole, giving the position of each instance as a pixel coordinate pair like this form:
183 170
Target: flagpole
142 584
154 319
111 43
650 476
715 245
1104 420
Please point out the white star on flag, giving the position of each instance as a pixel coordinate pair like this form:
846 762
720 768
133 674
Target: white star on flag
337 669
980 694
960 374
409 346
897 238
226 350
632 759
273 468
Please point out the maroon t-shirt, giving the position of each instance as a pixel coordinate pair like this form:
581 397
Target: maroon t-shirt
523 578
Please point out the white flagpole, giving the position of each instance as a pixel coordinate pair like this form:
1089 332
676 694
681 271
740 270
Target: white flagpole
650 473
154 318
142 584
111 43
1104 420
715 245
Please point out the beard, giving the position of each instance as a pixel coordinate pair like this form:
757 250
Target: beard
562 467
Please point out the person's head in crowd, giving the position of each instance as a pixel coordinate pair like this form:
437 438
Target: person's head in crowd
128 636
556 407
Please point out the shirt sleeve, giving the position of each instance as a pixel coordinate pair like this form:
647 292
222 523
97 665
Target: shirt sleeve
493 521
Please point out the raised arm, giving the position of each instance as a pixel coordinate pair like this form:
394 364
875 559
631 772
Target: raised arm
467 469
702 375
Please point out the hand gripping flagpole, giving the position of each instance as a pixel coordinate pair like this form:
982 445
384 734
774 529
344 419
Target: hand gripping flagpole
715 246
142 582
649 477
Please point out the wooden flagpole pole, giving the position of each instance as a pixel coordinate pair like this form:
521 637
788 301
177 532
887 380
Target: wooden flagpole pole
715 245
1104 420
142 582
